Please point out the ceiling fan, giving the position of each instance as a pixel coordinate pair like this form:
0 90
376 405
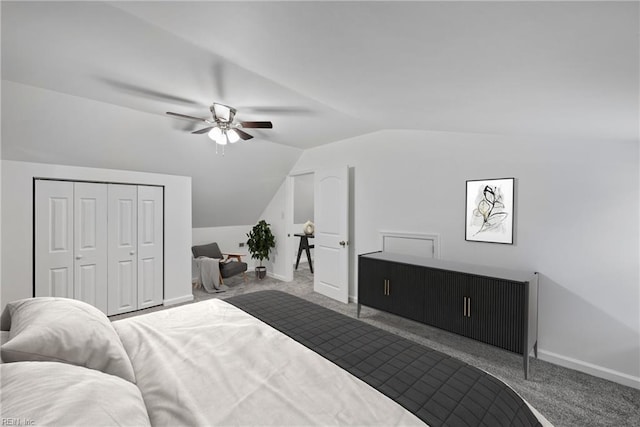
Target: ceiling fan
223 130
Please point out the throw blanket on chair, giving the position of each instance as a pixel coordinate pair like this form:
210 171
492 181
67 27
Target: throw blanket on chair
209 274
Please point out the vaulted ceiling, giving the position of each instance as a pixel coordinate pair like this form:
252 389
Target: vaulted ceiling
88 83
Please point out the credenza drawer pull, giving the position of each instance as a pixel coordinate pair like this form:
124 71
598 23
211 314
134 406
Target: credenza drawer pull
466 306
387 287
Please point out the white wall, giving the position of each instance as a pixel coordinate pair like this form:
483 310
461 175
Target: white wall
576 222
17 214
275 214
303 198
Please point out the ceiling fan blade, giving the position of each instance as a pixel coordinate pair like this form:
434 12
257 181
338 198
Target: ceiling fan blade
286 110
261 125
204 130
147 92
243 134
184 116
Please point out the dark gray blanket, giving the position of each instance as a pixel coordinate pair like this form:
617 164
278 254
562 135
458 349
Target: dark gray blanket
438 389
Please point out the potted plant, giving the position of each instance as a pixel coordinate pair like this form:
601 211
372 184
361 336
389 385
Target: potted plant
260 242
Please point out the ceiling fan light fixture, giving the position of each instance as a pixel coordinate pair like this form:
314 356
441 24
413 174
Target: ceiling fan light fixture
218 136
233 136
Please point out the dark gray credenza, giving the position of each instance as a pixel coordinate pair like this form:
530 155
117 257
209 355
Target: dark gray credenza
493 305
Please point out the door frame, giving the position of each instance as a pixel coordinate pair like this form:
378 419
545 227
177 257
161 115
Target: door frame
288 218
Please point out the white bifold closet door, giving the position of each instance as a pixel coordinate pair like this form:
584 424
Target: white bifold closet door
71 241
90 244
150 246
135 247
123 246
99 243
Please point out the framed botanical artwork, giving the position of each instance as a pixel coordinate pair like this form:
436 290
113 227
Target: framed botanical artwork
489 210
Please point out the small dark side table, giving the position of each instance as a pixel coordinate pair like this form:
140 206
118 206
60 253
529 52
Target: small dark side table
304 246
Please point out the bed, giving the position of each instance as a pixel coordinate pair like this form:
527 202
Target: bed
262 358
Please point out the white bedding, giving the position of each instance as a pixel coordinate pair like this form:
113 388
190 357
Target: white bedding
60 394
210 363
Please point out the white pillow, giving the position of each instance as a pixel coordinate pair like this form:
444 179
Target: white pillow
65 330
58 394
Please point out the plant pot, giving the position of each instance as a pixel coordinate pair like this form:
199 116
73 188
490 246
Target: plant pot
261 272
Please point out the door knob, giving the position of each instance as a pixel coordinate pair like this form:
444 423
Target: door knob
132 253
343 243
78 256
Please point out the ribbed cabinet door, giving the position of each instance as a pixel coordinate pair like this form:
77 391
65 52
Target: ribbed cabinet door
54 239
123 246
445 292
405 290
371 283
497 312
150 246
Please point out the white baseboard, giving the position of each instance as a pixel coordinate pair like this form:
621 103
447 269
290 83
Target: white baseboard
172 301
276 276
589 368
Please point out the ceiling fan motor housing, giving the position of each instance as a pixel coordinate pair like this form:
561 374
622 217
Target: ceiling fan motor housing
222 113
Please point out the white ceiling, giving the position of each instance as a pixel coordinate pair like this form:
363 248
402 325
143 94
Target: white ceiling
321 72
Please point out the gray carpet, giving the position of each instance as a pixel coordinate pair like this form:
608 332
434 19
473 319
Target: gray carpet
564 396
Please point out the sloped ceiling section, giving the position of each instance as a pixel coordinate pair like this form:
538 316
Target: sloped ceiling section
88 83
566 69
49 127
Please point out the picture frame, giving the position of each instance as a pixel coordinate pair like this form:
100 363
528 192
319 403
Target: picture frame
489 210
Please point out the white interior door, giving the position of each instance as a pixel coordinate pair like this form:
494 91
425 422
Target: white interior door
90 244
123 271
150 246
54 239
331 214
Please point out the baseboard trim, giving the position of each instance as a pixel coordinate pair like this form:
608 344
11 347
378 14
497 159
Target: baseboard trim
178 300
276 276
589 368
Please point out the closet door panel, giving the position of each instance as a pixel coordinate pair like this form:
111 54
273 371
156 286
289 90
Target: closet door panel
150 246
122 264
90 244
53 273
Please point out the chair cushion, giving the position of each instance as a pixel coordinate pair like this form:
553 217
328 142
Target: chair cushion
231 268
210 251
